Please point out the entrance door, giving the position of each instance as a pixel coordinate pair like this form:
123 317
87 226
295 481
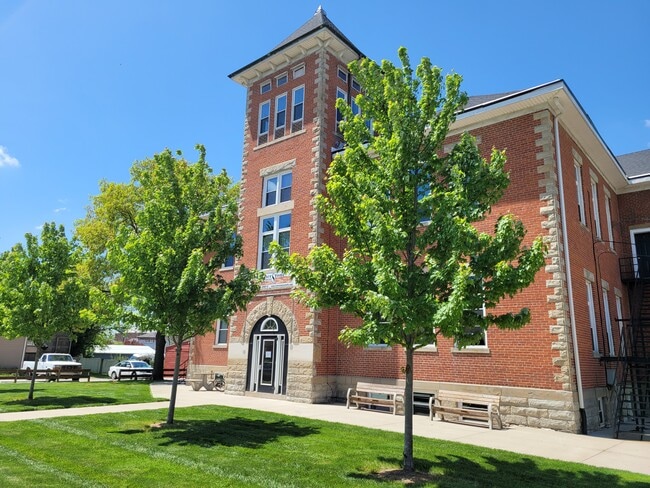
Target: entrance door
267 360
642 248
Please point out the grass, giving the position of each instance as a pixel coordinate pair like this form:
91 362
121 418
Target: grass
69 394
229 447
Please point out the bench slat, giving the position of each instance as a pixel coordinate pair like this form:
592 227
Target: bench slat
465 413
360 395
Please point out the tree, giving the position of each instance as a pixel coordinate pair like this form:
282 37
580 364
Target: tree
169 268
415 267
40 292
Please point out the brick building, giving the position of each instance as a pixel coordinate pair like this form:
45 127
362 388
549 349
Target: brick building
592 209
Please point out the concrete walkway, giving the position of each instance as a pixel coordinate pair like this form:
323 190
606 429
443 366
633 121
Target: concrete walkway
592 450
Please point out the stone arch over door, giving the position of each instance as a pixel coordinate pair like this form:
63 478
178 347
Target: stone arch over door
268 308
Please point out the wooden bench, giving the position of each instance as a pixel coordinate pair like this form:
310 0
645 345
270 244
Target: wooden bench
72 374
467 408
370 394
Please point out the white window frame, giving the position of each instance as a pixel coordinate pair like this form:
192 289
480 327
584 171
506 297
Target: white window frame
342 74
340 93
279 111
265 87
280 180
274 233
298 71
220 326
267 104
279 79
581 197
608 218
592 317
595 209
608 322
295 120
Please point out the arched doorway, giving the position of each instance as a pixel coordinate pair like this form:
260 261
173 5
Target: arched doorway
267 356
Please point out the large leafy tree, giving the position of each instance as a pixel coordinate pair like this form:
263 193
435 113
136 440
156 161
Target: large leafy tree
186 224
415 268
40 291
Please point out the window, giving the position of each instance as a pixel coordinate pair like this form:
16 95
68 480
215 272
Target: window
229 262
619 319
276 228
298 99
269 325
281 80
265 112
601 412
343 75
596 212
581 199
221 332
339 115
280 115
265 87
356 85
592 317
608 324
608 218
277 189
298 71
479 334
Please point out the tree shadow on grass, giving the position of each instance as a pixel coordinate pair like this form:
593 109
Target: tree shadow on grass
45 402
456 471
230 432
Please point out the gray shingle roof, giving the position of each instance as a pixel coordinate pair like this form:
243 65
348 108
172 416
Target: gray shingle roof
636 163
318 21
476 100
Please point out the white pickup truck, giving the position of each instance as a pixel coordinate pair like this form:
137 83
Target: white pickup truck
51 361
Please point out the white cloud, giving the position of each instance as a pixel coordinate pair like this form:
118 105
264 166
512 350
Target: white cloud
60 209
7 159
647 123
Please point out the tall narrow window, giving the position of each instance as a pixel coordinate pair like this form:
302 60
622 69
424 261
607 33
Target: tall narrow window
298 100
221 332
608 324
592 317
580 194
265 113
280 115
274 228
619 319
339 115
277 189
608 217
596 212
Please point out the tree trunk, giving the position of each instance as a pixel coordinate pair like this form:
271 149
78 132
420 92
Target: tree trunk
177 367
30 396
159 359
408 413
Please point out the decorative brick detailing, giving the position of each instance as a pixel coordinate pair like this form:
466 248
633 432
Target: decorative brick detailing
265 309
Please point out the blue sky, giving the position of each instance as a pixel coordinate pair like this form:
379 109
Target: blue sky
89 87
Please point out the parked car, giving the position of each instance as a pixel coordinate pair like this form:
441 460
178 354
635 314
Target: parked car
130 369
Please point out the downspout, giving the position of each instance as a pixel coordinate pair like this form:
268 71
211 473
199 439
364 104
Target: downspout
565 242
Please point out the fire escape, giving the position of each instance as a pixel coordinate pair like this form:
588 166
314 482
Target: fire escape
631 381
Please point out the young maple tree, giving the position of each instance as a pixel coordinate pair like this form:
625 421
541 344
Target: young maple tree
414 266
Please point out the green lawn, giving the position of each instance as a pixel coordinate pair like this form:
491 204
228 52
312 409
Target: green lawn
222 447
68 394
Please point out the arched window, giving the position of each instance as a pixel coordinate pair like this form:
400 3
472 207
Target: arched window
269 325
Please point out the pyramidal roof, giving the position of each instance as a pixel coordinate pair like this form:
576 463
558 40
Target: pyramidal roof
319 26
318 21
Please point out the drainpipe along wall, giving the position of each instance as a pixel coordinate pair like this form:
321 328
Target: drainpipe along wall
567 261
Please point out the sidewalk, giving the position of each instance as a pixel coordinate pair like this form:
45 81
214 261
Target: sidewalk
596 451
